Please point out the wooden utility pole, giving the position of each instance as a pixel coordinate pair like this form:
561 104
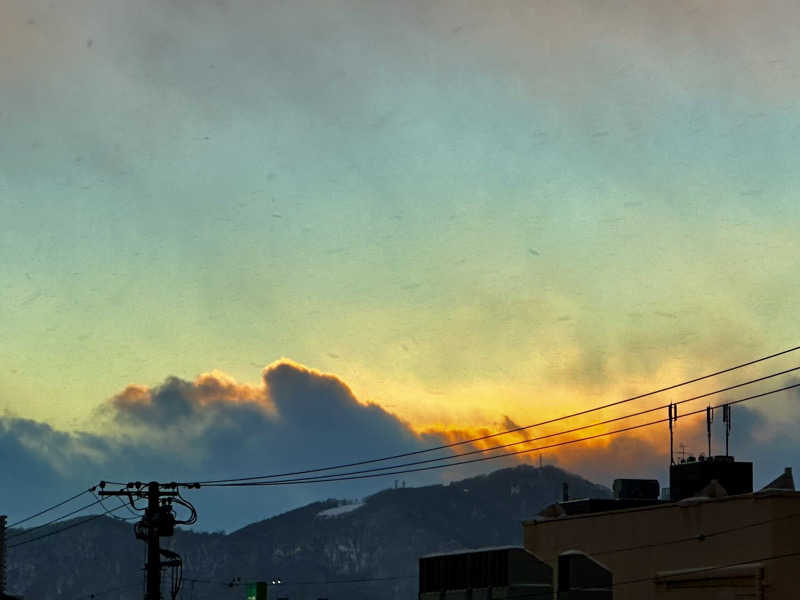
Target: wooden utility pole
2 556
158 521
152 517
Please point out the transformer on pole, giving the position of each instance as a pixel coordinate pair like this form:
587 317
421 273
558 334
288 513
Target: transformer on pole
158 521
2 556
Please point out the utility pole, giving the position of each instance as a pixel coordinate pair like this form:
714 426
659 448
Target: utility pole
2 556
158 521
152 518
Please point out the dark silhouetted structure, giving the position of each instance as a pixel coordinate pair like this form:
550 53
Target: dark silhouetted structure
484 574
3 595
782 482
636 489
708 543
688 478
158 521
581 578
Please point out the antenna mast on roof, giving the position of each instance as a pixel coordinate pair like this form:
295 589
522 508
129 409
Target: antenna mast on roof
673 417
709 420
726 418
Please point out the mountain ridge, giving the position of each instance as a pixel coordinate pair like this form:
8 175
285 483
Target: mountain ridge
377 538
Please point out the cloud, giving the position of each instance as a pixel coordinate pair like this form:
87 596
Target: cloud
295 412
175 401
295 418
762 432
211 428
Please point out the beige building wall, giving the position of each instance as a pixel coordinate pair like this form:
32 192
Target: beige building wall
641 548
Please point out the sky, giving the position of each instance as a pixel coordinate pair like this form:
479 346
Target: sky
457 214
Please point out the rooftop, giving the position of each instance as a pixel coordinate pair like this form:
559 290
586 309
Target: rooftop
591 507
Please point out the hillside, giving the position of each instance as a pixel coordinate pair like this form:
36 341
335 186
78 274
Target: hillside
379 538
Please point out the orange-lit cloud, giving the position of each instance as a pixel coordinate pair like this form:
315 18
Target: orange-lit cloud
299 418
287 386
216 388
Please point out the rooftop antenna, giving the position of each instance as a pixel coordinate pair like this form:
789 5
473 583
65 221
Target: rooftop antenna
709 420
726 418
673 417
683 452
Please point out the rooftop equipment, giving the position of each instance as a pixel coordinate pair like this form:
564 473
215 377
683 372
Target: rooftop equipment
688 478
512 569
582 578
636 489
784 482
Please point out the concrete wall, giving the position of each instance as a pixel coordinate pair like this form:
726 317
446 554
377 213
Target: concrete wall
639 547
511 592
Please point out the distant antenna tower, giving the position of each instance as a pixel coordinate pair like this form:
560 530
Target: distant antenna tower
540 461
683 452
726 418
709 420
673 418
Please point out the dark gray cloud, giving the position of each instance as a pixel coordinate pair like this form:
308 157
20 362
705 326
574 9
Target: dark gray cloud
763 431
297 415
765 436
213 427
210 428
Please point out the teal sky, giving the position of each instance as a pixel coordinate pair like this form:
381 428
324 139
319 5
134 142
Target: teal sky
459 208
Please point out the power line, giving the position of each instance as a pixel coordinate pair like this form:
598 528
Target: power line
158 521
117 588
236 582
122 503
61 518
357 474
46 510
70 526
556 434
688 571
714 568
699 537
508 431
362 580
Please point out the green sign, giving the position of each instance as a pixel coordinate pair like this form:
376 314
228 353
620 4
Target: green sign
256 591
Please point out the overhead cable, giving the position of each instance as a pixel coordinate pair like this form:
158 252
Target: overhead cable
46 510
67 527
348 476
555 434
507 431
61 518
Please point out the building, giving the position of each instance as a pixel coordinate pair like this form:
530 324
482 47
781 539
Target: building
3 595
484 574
694 541
702 543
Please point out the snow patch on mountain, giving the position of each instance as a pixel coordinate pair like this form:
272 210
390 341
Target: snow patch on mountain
337 511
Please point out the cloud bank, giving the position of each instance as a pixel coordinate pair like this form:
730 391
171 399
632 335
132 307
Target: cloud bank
210 428
296 418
